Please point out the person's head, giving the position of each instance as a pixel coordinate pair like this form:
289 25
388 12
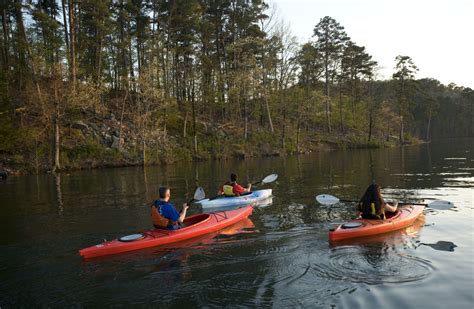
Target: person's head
372 195
233 177
164 193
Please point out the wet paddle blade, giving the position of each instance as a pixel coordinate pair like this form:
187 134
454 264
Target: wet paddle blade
199 194
441 205
327 199
270 178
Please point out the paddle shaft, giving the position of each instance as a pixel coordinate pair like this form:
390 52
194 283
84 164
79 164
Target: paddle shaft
400 203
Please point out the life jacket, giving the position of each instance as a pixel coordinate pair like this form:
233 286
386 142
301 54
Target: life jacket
158 220
228 188
371 212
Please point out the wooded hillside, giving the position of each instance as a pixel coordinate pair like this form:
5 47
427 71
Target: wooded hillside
100 82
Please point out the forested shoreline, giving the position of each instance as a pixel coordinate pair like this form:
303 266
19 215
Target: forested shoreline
95 83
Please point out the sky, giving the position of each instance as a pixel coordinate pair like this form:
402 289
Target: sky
437 35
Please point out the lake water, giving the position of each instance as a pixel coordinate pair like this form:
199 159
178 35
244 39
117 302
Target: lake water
279 258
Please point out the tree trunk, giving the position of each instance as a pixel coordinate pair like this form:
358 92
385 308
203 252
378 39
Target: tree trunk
99 64
340 109
370 124
130 62
185 124
121 121
193 101
5 40
298 126
401 129
328 116
21 29
66 35
283 131
72 33
268 113
370 107
326 85
143 149
402 102
428 127
57 165
353 98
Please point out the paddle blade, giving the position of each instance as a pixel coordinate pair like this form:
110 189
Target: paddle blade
441 205
327 199
199 194
270 178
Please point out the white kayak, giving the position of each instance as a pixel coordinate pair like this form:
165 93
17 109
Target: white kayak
224 201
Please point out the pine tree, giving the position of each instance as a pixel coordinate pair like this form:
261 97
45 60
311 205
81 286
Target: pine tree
331 39
404 76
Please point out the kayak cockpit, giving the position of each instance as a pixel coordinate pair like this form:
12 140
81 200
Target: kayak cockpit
194 220
392 215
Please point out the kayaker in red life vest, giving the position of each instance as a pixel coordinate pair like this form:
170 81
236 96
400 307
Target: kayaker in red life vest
232 188
373 206
163 213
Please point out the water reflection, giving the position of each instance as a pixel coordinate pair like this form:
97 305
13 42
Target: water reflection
283 261
59 194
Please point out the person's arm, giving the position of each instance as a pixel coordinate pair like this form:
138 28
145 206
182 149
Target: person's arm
238 189
182 215
391 208
359 211
249 187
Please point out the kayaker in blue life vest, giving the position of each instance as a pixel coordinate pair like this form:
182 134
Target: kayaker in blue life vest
232 188
163 213
373 206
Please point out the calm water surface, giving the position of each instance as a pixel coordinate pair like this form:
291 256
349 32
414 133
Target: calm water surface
281 258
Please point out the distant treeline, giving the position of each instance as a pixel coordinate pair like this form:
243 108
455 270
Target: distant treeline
187 67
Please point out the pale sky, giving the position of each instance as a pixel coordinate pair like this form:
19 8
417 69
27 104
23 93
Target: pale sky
438 35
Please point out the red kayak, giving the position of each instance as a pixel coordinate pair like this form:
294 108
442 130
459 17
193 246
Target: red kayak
405 216
194 226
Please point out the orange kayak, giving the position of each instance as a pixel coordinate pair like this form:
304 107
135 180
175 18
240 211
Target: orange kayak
405 216
194 226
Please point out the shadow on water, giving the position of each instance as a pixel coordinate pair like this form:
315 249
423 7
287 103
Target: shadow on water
441 246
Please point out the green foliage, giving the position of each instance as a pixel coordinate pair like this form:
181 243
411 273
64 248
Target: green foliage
222 66
92 151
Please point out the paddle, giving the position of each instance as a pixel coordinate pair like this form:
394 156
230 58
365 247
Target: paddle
268 179
326 199
199 194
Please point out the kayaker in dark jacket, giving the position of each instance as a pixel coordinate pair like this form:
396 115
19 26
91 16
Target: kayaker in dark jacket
232 188
372 205
163 213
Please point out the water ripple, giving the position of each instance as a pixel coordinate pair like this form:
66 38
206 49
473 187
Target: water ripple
373 265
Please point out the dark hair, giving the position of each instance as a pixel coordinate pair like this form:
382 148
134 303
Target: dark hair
163 191
233 177
372 195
